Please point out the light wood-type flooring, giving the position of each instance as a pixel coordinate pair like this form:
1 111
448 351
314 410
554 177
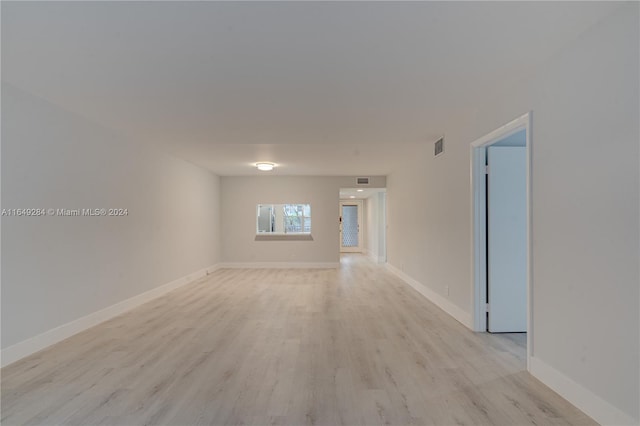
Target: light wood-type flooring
352 346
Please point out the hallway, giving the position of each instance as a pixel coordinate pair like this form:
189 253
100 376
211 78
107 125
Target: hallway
353 345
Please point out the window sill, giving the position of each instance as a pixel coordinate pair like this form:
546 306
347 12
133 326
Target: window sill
284 237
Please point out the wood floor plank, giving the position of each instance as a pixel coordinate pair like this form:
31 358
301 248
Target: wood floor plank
352 346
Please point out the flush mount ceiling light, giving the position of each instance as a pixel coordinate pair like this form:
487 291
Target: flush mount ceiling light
265 167
360 190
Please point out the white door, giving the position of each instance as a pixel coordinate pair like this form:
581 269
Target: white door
350 220
507 239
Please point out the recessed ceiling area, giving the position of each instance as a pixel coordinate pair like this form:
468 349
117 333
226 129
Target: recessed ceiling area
300 159
359 193
320 88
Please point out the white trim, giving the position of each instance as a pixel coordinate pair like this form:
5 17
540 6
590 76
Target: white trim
34 344
591 404
478 224
279 265
441 302
478 241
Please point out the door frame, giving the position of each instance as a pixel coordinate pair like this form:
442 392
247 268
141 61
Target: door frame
479 224
360 204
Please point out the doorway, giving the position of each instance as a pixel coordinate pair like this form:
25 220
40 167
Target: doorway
372 222
501 230
350 221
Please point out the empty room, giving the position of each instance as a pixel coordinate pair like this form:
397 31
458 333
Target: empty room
323 213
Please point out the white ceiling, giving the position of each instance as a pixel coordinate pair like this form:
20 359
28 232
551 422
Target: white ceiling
359 193
321 88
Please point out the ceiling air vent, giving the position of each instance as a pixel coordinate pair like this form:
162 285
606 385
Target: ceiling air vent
362 181
438 147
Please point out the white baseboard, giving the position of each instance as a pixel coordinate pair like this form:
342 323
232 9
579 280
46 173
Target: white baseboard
279 265
591 404
34 344
444 304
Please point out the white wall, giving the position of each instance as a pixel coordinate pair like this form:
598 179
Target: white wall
240 195
58 269
370 234
585 213
382 227
374 218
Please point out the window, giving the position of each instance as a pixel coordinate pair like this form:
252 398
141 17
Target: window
266 219
297 218
278 219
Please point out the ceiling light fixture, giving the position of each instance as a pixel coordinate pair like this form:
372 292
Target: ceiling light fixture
265 167
360 190
352 196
